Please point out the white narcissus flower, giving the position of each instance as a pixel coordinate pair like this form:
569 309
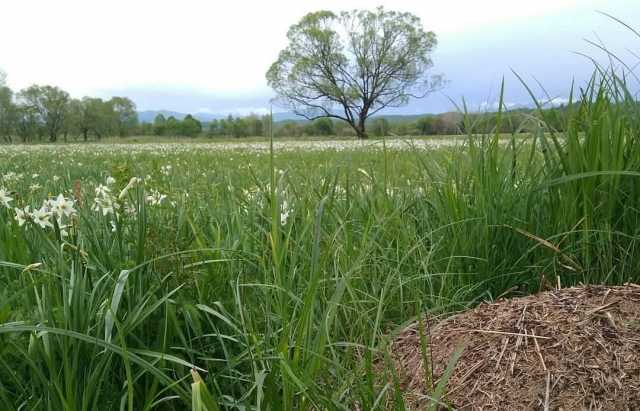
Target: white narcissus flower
110 180
155 197
284 217
21 215
4 198
102 190
106 208
102 204
41 217
63 228
62 206
285 209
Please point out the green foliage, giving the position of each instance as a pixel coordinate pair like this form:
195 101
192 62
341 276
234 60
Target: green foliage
26 124
51 104
7 111
379 126
93 117
160 125
308 129
214 128
173 126
290 129
391 58
258 127
125 115
427 125
323 127
240 127
145 129
190 127
225 127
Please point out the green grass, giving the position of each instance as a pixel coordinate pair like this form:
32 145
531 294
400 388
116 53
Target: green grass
281 275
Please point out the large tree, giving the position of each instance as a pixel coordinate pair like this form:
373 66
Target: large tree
126 116
351 65
173 126
190 127
160 125
323 127
51 104
26 122
93 116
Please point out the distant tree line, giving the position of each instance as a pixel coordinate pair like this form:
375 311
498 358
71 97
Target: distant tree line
47 113
445 124
171 127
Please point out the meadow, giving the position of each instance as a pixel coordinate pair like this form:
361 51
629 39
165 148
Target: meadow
278 271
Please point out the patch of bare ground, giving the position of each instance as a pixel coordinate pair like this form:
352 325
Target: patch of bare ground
571 349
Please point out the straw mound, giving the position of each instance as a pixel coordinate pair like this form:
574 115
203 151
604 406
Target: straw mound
584 342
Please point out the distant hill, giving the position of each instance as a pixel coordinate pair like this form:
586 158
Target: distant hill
393 118
283 117
278 118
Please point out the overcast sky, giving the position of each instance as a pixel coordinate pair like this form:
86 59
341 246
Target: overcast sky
211 56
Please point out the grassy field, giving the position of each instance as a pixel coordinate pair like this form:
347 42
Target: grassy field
280 271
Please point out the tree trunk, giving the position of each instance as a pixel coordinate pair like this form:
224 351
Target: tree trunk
360 130
86 134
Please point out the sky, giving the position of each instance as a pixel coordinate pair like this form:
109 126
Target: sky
212 56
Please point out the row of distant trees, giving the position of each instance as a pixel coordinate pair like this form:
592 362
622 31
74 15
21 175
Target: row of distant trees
446 124
172 127
516 121
40 113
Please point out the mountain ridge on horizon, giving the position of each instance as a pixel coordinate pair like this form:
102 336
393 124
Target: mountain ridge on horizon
150 115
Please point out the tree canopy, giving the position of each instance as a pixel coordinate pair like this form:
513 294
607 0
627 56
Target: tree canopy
351 65
50 103
126 115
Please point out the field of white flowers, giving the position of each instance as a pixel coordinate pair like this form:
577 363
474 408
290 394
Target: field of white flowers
162 258
278 272
42 185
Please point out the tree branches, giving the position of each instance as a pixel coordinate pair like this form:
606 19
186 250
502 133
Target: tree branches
352 65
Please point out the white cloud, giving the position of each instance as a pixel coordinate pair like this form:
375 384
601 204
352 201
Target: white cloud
214 54
555 102
245 111
226 47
